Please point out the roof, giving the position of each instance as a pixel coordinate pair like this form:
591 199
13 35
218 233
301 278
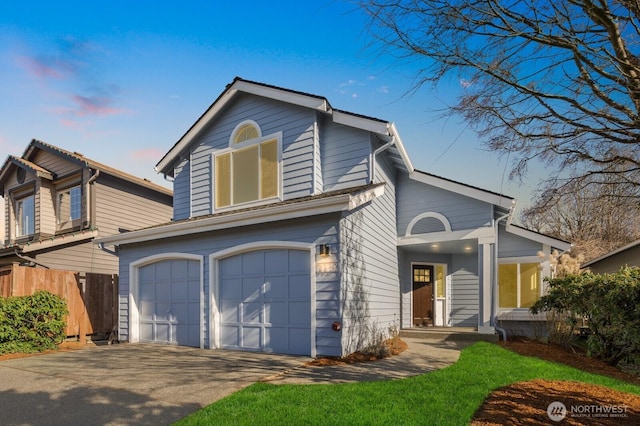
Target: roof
329 202
75 157
475 192
539 237
610 254
385 129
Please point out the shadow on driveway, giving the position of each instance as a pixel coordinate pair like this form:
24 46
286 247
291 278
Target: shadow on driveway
127 384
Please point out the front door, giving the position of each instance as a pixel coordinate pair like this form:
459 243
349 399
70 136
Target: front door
422 277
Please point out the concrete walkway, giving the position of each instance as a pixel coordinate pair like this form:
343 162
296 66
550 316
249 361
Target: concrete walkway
422 355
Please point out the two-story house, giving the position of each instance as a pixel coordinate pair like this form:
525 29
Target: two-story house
57 202
299 228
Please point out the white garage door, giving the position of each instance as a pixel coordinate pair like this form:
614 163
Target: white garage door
265 301
169 295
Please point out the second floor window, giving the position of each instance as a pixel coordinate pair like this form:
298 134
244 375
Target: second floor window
249 170
25 216
69 204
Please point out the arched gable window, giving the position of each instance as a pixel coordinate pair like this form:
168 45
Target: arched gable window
249 170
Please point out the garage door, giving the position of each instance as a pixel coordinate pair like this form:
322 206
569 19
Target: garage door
169 296
265 301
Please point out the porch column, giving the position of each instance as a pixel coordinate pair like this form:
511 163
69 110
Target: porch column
486 282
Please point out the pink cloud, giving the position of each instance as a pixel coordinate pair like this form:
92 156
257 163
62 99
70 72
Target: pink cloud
147 154
44 68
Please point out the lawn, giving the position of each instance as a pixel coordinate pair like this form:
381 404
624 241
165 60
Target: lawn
449 396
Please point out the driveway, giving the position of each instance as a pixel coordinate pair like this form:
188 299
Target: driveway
127 384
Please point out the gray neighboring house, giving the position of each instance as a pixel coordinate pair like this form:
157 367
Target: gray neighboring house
303 229
57 202
611 263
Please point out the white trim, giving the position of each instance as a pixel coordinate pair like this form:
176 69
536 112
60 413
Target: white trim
442 218
134 290
280 212
400 147
214 280
238 126
462 189
360 122
486 233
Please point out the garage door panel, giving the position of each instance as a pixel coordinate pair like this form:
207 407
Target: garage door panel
231 267
147 291
298 261
231 288
163 290
276 287
193 290
230 333
230 310
299 341
299 287
252 288
251 337
276 261
163 310
299 313
276 313
252 312
162 332
276 338
252 263
147 311
273 305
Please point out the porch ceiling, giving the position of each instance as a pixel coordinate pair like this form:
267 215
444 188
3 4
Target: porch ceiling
445 247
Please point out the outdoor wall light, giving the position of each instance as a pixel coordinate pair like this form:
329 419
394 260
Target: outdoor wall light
325 250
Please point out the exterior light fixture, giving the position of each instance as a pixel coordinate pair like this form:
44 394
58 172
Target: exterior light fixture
325 250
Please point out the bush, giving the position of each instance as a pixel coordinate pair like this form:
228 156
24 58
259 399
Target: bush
32 323
609 302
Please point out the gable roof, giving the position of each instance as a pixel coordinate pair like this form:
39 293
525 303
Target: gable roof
384 129
611 254
30 152
538 237
471 191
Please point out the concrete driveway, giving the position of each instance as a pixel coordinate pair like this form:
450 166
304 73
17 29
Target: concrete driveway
126 384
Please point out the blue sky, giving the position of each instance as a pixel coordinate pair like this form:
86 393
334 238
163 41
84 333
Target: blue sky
120 82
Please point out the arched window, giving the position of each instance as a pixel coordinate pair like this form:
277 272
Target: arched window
245 131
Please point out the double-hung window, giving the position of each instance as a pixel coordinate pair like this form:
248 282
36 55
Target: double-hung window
249 170
69 204
25 216
519 284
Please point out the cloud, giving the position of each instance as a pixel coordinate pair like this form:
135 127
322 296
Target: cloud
67 59
383 89
94 105
465 83
147 154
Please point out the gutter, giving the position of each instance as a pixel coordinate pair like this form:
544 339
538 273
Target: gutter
494 284
29 259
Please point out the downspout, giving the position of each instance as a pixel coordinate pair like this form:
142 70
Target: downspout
29 259
494 302
92 199
384 147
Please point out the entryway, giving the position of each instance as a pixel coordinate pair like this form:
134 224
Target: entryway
430 294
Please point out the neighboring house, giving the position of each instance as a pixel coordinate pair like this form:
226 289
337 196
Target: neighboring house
299 228
611 263
57 202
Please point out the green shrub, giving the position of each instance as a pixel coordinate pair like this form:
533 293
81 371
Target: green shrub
32 323
611 305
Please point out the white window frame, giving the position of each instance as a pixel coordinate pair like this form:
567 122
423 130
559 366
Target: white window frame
64 222
19 216
519 261
238 147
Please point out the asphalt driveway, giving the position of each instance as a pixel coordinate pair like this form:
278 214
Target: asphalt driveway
126 384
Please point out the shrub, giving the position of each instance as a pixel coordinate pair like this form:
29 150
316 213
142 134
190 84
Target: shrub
611 305
32 323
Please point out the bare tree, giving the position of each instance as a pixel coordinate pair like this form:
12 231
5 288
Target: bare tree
552 80
595 218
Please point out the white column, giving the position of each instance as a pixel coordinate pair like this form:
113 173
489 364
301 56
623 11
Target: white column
485 257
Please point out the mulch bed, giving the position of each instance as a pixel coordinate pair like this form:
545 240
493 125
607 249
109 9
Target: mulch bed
396 346
526 403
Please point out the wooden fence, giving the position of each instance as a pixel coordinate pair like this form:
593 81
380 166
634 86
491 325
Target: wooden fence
91 298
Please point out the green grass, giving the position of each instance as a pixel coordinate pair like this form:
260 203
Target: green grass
445 397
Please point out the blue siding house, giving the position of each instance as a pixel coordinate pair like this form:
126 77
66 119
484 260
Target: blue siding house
302 229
